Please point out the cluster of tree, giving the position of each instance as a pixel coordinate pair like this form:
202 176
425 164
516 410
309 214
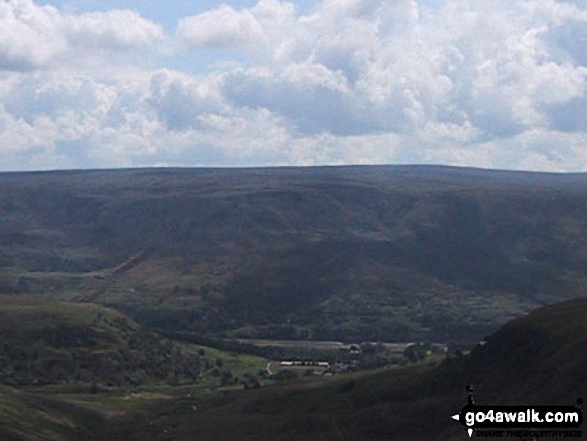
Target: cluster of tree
363 356
222 344
226 378
419 351
64 357
213 322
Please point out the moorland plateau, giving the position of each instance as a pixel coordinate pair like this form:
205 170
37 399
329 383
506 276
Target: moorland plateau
365 253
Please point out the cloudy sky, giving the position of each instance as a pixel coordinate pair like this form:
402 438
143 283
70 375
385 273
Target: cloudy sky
105 83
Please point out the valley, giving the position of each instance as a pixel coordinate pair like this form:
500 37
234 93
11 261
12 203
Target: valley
332 303
398 403
375 253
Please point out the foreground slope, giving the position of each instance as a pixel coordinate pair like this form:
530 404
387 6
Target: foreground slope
541 357
353 253
29 416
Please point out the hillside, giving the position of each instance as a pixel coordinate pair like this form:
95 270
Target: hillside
396 253
72 371
48 342
32 417
535 360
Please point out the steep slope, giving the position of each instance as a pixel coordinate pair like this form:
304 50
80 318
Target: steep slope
352 253
541 357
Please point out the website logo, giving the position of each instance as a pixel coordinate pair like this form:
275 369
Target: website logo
520 421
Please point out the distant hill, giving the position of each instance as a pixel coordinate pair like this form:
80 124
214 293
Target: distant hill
539 359
344 253
48 342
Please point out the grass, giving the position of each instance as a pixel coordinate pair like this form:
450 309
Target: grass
237 363
68 410
405 403
31 416
412 402
24 314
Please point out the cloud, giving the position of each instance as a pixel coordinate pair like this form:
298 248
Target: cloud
16 135
30 36
311 97
34 36
180 100
120 30
220 28
227 28
448 81
491 84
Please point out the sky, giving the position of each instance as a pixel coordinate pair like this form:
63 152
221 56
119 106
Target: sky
141 83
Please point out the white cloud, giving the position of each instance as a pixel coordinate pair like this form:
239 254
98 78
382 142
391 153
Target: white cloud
220 28
33 36
263 30
119 30
30 36
311 97
178 100
16 135
478 82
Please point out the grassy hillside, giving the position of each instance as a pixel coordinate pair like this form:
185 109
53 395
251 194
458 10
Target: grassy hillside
71 371
50 342
351 253
539 359
30 416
